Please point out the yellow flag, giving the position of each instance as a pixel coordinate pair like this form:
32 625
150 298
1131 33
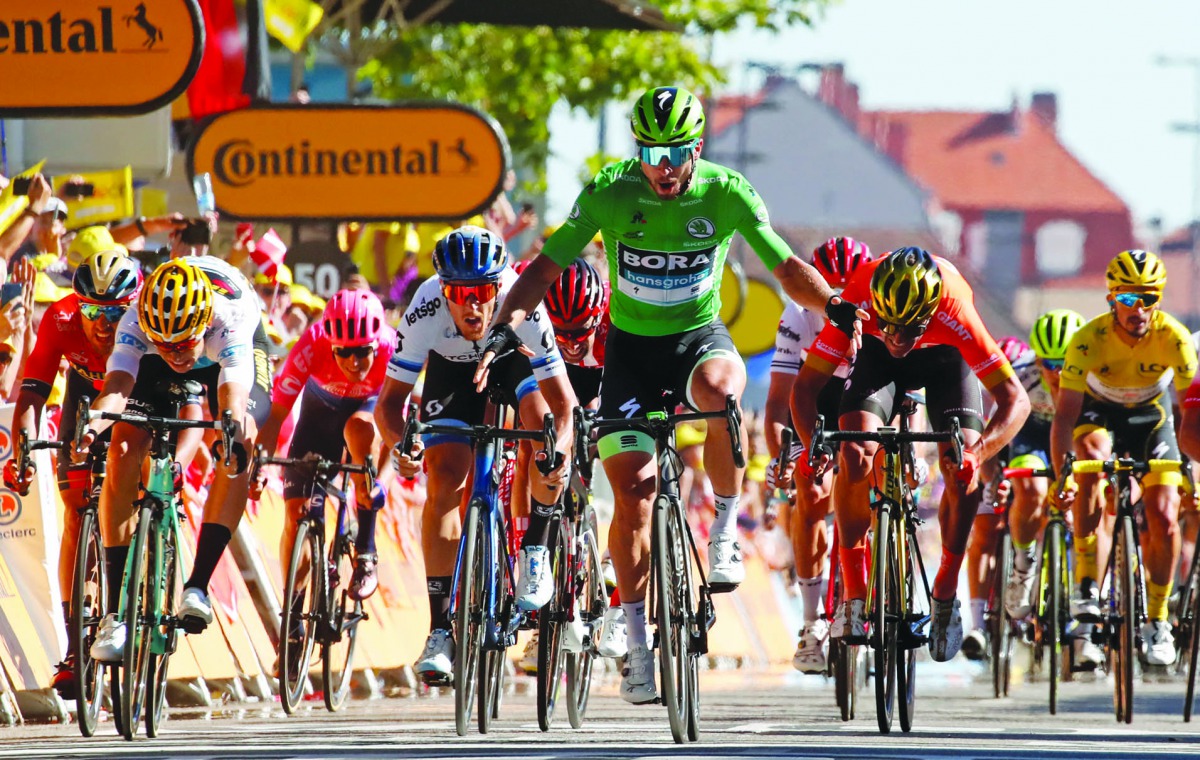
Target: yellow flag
111 199
291 21
11 205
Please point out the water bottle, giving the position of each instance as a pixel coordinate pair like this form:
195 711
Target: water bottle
206 202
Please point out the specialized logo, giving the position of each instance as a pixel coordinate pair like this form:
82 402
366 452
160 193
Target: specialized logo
630 408
701 228
10 507
114 57
344 162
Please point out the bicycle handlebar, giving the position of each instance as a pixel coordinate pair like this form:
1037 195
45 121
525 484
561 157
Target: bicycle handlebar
884 435
155 424
414 427
785 449
732 415
1093 466
318 464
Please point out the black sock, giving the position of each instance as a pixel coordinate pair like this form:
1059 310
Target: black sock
209 548
114 566
70 629
439 601
365 540
538 532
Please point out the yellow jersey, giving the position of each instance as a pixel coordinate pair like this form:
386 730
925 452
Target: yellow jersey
1104 366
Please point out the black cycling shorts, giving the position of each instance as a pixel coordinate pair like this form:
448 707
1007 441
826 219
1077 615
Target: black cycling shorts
651 373
449 396
1141 432
585 381
878 378
320 429
78 386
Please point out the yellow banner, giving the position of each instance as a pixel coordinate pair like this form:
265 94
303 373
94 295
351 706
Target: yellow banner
291 21
111 199
11 205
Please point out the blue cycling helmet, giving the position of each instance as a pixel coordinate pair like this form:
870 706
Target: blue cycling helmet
470 254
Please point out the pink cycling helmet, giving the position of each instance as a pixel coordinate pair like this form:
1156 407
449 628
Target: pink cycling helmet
1013 348
353 318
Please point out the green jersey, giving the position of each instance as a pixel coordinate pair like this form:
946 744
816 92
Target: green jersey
666 257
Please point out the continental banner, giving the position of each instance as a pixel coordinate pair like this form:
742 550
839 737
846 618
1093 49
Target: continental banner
96 57
420 161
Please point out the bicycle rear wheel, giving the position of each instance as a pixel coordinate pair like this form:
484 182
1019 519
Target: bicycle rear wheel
491 672
883 626
1055 611
1121 638
139 607
1189 614
302 599
590 603
89 597
341 632
468 615
162 629
551 618
906 653
669 558
1000 623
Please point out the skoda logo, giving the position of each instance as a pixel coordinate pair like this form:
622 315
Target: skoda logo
10 507
700 228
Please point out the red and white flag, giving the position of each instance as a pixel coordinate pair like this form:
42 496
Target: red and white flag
268 253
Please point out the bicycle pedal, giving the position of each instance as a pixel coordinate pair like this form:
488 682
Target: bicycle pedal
191 625
721 588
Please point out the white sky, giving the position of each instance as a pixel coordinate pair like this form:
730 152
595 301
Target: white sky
1116 104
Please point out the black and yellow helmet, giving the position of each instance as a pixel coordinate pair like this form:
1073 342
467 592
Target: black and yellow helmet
667 116
906 286
176 303
1135 270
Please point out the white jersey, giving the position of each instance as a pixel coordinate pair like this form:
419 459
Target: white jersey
798 328
229 340
427 326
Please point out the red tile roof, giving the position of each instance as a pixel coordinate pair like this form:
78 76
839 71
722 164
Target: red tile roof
977 160
728 110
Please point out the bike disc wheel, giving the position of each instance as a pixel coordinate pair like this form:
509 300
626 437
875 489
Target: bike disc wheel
467 619
1190 612
1121 642
672 661
89 597
551 619
1055 613
302 596
337 648
883 630
1000 623
139 607
590 604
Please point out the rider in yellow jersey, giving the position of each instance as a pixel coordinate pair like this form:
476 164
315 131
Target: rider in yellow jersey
1112 400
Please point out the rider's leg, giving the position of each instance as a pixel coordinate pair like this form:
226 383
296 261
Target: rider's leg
362 441
1088 510
447 466
981 563
852 502
116 515
632 475
1162 544
716 376
956 514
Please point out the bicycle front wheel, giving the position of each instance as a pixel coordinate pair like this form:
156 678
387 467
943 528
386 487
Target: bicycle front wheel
906 653
303 592
590 603
162 628
468 615
1123 627
670 577
139 611
1055 613
341 632
1001 625
883 626
551 618
1190 619
89 597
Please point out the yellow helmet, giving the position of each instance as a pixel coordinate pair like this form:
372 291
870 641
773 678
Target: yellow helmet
906 286
1140 270
176 303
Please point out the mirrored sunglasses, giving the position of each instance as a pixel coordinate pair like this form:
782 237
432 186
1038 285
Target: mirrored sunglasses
181 347
357 352
574 336
1131 300
1054 365
907 331
460 294
94 311
676 155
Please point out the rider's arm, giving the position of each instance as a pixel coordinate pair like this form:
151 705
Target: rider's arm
812 378
389 410
776 413
268 435
803 283
232 397
1067 407
1012 408
113 397
561 399
527 291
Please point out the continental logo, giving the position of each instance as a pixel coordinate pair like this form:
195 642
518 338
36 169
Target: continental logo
114 57
419 162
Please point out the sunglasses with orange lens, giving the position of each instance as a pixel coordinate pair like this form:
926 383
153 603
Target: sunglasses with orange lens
182 347
460 294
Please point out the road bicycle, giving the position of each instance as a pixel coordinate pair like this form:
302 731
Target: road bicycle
679 595
895 618
89 587
483 608
1124 612
317 607
1051 610
1002 629
152 570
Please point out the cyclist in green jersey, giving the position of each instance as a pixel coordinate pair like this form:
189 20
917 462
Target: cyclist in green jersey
667 218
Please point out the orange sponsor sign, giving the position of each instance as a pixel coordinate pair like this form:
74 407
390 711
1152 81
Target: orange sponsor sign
96 57
422 161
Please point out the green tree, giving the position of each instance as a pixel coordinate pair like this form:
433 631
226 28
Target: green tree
519 74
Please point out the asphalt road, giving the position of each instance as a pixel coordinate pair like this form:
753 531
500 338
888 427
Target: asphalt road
744 715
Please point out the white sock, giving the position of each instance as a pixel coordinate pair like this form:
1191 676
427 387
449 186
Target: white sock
978 613
635 623
725 523
810 592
